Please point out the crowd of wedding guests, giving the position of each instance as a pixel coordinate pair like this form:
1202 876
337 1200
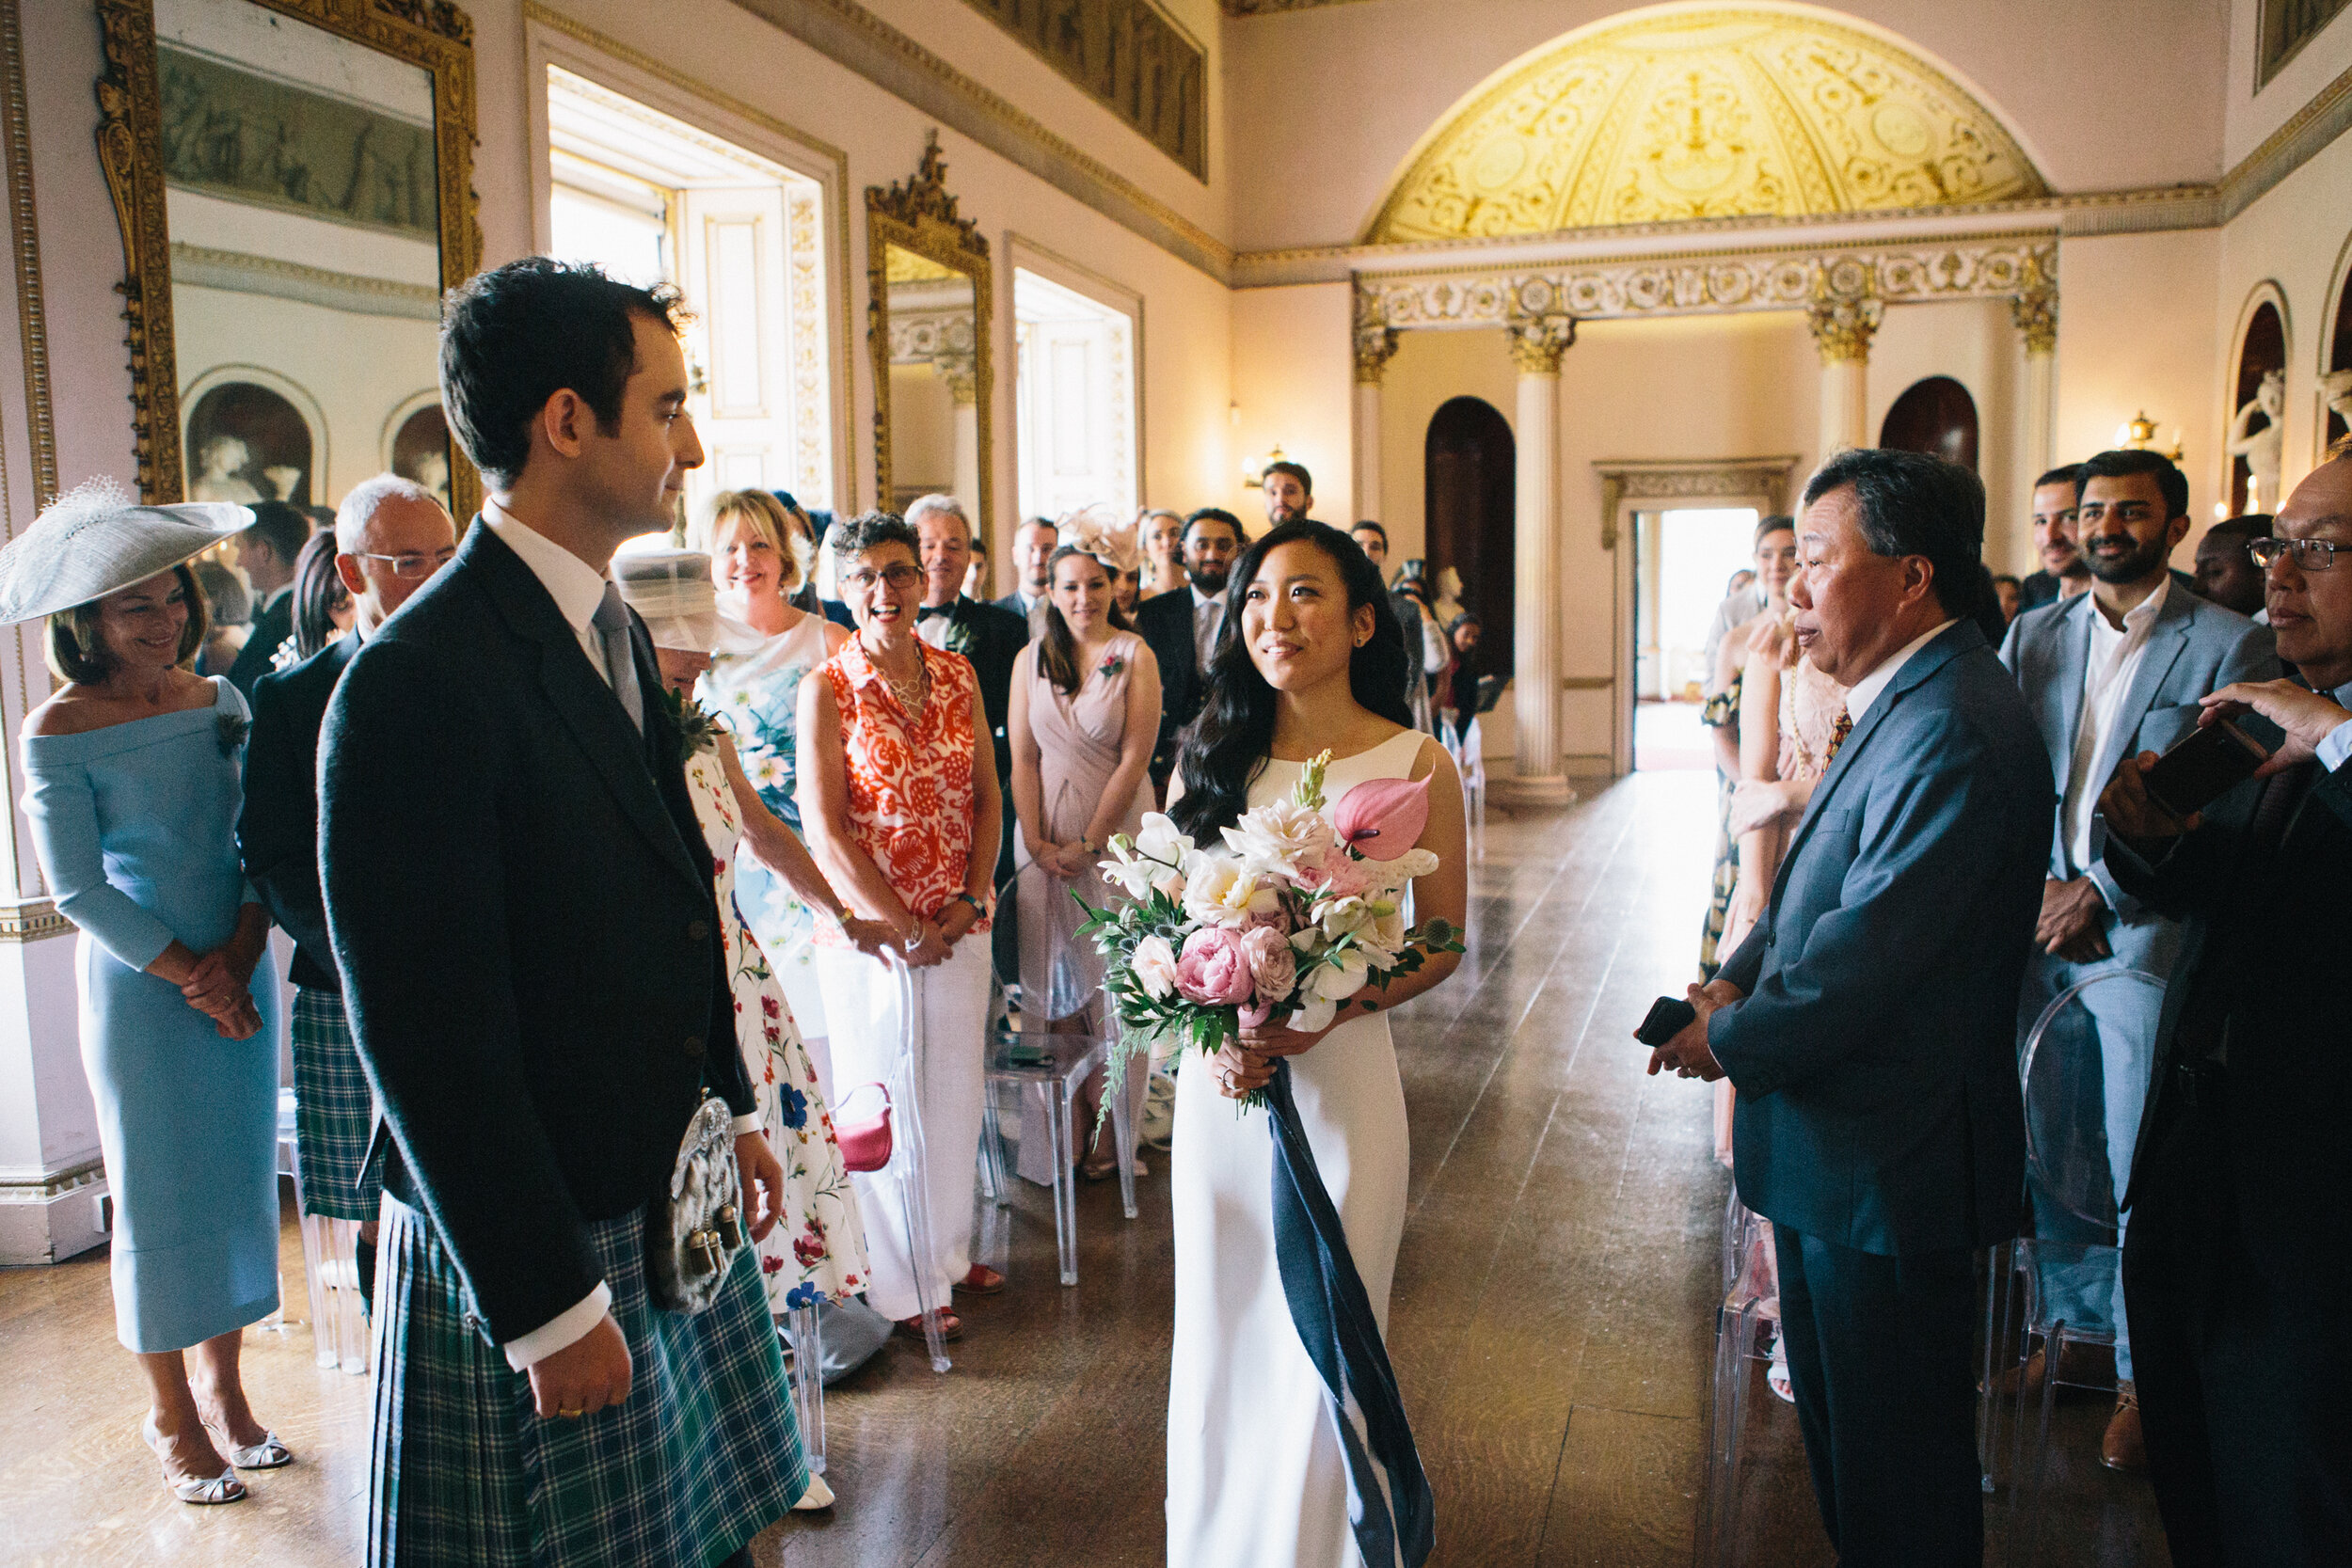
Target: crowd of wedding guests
2187 1078
393 726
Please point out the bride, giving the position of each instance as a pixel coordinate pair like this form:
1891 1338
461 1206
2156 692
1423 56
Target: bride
1307 659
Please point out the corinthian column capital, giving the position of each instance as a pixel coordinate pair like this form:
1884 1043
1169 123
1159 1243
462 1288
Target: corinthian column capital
1537 343
1375 347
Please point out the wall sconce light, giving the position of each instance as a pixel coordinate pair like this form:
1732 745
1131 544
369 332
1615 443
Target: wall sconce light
1253 469
2140 434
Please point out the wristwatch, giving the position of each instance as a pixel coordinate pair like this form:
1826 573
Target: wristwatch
979 910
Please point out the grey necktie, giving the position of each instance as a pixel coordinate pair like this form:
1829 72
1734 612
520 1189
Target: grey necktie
620 661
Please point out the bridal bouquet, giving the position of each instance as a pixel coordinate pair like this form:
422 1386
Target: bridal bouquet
1293 915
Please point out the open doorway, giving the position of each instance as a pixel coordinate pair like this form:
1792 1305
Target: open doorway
1684 565
1469 501
654 199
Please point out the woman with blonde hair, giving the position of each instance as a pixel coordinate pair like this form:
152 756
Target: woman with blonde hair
1163 553
759 557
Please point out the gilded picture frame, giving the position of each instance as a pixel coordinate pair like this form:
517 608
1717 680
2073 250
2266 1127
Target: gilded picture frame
919 216
434 34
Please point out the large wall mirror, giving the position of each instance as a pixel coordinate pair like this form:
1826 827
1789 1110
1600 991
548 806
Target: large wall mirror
295 182
926 326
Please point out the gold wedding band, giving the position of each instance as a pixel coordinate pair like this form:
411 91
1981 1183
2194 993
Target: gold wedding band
573 1414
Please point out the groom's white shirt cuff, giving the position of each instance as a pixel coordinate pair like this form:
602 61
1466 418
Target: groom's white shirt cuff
561 1332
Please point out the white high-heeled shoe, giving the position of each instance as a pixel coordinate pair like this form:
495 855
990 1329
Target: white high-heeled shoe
267 1454
222 1488
818 1495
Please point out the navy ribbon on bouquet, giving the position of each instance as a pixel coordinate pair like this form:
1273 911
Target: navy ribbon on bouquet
1390 1506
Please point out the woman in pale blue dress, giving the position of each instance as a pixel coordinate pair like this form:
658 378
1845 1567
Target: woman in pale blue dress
133 787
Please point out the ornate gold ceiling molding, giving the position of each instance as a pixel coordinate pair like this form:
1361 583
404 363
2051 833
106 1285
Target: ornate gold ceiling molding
1270 7
1722 113
851 35
2007 267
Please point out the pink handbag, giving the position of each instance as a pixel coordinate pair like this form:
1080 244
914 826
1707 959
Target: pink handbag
865 1145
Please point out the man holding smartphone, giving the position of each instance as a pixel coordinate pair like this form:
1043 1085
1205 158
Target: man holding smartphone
2109 674
2240 1251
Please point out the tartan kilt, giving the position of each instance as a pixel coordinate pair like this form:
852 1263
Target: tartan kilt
703 1455
334 1111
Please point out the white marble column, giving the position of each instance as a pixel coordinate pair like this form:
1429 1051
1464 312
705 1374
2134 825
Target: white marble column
1538 344
1842 324
1375 347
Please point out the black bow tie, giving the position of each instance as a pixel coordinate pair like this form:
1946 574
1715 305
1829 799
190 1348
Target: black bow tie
931 610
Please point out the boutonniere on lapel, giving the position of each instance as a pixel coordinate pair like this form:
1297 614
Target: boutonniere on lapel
959 634
233 729
697 730
1112 665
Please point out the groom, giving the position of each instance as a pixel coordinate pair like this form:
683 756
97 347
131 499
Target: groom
521 899
1869 1020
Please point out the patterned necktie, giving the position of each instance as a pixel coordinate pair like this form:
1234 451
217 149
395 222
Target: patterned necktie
620 661
1837 734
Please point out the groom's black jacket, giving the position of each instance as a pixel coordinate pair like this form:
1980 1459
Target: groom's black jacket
520 895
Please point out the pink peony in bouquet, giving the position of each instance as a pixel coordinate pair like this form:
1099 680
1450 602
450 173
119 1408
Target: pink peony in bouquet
1294 915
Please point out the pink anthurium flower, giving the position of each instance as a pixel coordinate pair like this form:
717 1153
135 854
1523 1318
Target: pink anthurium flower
1382 818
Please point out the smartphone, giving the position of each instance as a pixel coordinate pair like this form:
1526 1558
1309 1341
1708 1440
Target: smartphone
1668 1017
2200 769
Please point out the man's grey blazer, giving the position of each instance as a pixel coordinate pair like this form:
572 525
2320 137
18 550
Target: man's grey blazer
1875 1053
2195 647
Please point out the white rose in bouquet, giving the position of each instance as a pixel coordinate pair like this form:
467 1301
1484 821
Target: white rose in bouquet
1219 892
1341 917
1279 837
1155 967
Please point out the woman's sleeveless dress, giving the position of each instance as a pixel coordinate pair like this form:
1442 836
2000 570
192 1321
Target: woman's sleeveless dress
1255 1474
818 1248
757 696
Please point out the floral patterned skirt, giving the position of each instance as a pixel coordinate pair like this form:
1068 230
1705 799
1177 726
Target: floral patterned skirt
818 1248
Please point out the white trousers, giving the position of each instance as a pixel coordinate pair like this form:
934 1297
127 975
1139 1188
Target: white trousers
950 1025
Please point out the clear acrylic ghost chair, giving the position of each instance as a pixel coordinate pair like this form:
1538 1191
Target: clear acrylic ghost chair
1751 1300
2065 1150
909 1172
1061 979
330 1270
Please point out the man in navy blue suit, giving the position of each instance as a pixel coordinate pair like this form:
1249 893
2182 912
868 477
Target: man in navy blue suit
1868 1021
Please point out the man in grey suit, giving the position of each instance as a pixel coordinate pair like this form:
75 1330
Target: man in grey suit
1867 1020
2109 674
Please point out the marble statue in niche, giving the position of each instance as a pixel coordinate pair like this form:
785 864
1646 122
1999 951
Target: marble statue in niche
2261 445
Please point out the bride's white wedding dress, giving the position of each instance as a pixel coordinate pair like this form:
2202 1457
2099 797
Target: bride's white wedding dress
1255 1474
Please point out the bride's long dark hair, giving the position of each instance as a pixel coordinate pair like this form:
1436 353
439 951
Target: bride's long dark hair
1225 746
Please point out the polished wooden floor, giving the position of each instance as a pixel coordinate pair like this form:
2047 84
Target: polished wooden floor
1552 1325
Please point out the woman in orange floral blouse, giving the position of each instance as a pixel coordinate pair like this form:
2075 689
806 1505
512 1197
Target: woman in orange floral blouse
901 802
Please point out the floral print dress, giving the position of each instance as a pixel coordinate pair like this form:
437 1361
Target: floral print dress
758 697
818 1248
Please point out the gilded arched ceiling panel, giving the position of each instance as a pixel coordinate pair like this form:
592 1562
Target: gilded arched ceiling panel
1729 113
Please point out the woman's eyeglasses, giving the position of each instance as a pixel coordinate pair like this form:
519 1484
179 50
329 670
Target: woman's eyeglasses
412 567
2311 555
898 577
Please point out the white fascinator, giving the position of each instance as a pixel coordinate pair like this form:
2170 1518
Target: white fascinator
1103 533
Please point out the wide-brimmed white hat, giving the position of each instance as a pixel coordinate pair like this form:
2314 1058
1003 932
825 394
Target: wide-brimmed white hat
98 537
672 589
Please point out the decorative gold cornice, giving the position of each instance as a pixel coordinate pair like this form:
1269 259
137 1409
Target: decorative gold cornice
1268 7
1704 282
848 34
1375 347
244 273
2035 309
1539 342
